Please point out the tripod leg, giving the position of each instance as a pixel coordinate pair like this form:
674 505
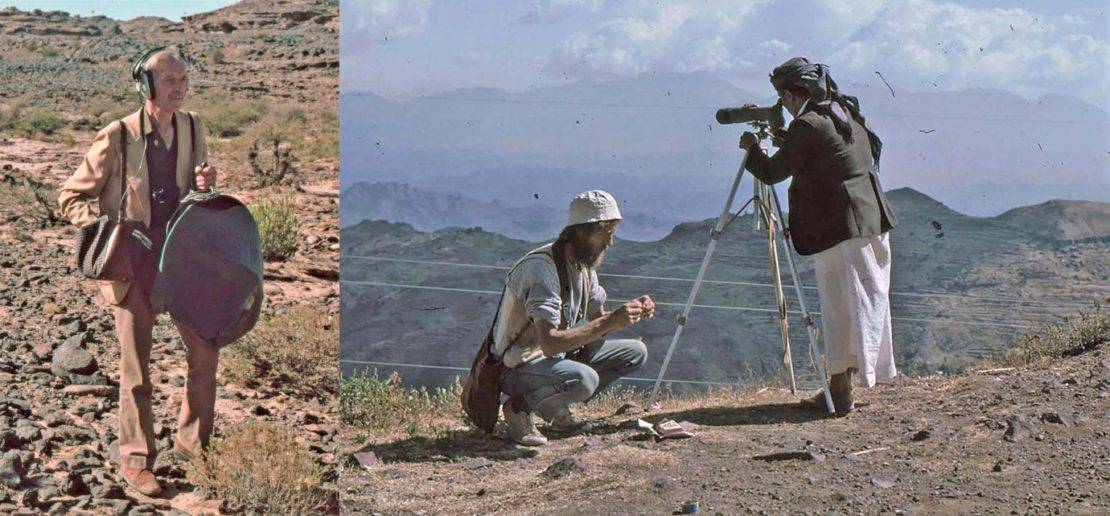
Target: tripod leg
714 238
780 296
806 316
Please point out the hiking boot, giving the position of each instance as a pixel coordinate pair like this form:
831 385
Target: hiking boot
522 430
142 480
565 422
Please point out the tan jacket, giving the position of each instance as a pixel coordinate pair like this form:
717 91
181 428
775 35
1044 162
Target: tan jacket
94 189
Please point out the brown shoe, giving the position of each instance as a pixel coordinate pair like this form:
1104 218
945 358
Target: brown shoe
142 480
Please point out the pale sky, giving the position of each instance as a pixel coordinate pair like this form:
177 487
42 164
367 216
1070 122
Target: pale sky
1032 48
122 9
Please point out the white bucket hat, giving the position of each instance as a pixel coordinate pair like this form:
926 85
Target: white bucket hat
593 206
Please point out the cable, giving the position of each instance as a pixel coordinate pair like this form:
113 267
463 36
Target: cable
449 368
719 282
714 108
662 303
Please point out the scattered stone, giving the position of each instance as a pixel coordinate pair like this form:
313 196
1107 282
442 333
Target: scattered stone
12 469
90 390
1058 418
1017 427
72 359
365 459
882 483
629 409
564 468
8 440
662 485
921 435
794 455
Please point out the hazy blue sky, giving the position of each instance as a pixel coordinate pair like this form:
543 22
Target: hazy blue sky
122 9
409 47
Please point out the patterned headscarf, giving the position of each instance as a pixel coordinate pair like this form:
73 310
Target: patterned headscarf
823 92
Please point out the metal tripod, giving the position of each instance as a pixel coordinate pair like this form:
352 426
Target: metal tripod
769 212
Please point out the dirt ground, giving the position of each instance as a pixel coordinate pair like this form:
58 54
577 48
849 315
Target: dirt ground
1019 441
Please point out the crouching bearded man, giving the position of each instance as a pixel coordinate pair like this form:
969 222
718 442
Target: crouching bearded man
158 143
551 326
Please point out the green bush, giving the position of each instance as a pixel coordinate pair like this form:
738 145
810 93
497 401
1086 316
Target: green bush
226 115
296 352
29 123
259 468
277 225
384 404
1070 337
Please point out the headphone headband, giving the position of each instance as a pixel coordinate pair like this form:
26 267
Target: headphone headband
137 69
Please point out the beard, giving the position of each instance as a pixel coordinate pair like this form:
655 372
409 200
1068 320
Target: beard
586 254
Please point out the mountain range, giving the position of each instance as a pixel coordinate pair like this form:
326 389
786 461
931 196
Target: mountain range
964 288
654 143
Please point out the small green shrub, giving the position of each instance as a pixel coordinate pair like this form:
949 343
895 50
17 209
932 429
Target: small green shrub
277 226
30 123
226 115
259 468
384 404
1070 337
296 352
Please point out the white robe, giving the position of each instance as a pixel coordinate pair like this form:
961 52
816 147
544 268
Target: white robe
853 282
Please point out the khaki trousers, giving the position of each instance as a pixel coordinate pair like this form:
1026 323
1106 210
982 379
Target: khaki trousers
134 324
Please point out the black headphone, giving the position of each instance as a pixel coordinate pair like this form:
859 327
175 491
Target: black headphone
144 79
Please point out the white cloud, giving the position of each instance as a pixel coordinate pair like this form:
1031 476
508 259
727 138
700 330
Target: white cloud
919 42
551 11
389 18
915 43
678 35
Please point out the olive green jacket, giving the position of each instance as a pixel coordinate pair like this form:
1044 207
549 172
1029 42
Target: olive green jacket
835 195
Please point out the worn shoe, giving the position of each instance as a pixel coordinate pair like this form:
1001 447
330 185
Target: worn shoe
522 430
565 422
840 387
142 481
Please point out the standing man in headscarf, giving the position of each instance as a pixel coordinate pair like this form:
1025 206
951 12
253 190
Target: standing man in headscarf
840 215
157 141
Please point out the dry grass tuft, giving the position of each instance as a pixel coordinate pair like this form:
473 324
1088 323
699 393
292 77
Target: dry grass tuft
1055 340
384 404
259 468
29 203
296 352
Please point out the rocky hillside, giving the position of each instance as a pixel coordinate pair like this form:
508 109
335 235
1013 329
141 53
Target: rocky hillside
964 288
256 66
994 440
287 49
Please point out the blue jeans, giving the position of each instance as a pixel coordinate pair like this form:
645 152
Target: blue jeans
547 384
